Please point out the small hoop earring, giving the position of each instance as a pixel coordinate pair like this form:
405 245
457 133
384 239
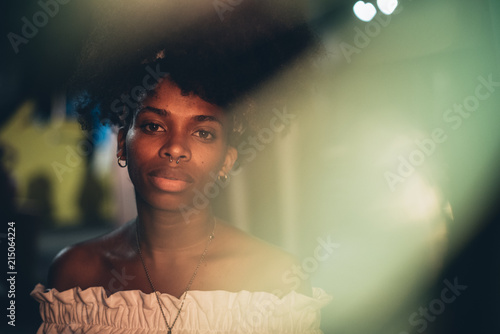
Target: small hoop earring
220 177
119 164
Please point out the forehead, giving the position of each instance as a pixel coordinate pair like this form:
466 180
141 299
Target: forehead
167 96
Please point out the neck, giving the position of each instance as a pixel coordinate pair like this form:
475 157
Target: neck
168 231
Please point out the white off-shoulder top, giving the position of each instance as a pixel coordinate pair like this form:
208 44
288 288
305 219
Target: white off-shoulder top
132 311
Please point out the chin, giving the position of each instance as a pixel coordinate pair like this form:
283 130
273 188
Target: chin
174 202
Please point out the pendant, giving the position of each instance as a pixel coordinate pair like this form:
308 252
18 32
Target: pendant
169 331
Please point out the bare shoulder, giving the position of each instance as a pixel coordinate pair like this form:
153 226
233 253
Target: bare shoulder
81 265
268 267
74 266
255 247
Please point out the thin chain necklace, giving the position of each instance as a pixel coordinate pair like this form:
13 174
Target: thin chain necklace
210 238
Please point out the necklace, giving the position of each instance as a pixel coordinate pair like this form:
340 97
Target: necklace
210 238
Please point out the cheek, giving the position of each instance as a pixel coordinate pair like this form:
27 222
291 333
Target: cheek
212 159
210 163
137 153
138 145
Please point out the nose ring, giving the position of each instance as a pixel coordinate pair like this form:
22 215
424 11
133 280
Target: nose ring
178 159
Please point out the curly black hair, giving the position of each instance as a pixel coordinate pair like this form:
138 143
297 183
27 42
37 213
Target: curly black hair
219 51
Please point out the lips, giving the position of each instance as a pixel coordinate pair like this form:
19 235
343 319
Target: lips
170 180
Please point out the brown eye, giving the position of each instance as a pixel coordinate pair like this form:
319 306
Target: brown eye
152 127
206 135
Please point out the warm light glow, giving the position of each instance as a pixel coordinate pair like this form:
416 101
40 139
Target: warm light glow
421 201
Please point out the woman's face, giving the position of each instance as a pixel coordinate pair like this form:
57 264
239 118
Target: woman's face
170 128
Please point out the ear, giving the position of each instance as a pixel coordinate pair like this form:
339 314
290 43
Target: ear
230 159
121 150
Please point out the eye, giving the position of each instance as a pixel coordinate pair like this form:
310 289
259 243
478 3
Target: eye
204 134
152 127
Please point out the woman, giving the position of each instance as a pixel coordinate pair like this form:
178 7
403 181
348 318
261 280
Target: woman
176 268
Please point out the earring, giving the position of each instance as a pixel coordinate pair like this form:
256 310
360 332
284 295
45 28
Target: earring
220 177
119 164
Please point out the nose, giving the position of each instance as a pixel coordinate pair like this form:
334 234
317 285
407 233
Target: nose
176 148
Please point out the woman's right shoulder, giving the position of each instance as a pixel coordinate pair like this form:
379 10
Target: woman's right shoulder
70 267
82 264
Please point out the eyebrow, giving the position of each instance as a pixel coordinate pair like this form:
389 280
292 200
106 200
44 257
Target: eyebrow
197 118
206 118
161 112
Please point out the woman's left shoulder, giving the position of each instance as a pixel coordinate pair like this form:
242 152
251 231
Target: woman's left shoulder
274 269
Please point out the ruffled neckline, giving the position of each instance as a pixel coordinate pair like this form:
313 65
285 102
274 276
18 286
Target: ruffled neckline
218 311
40 289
